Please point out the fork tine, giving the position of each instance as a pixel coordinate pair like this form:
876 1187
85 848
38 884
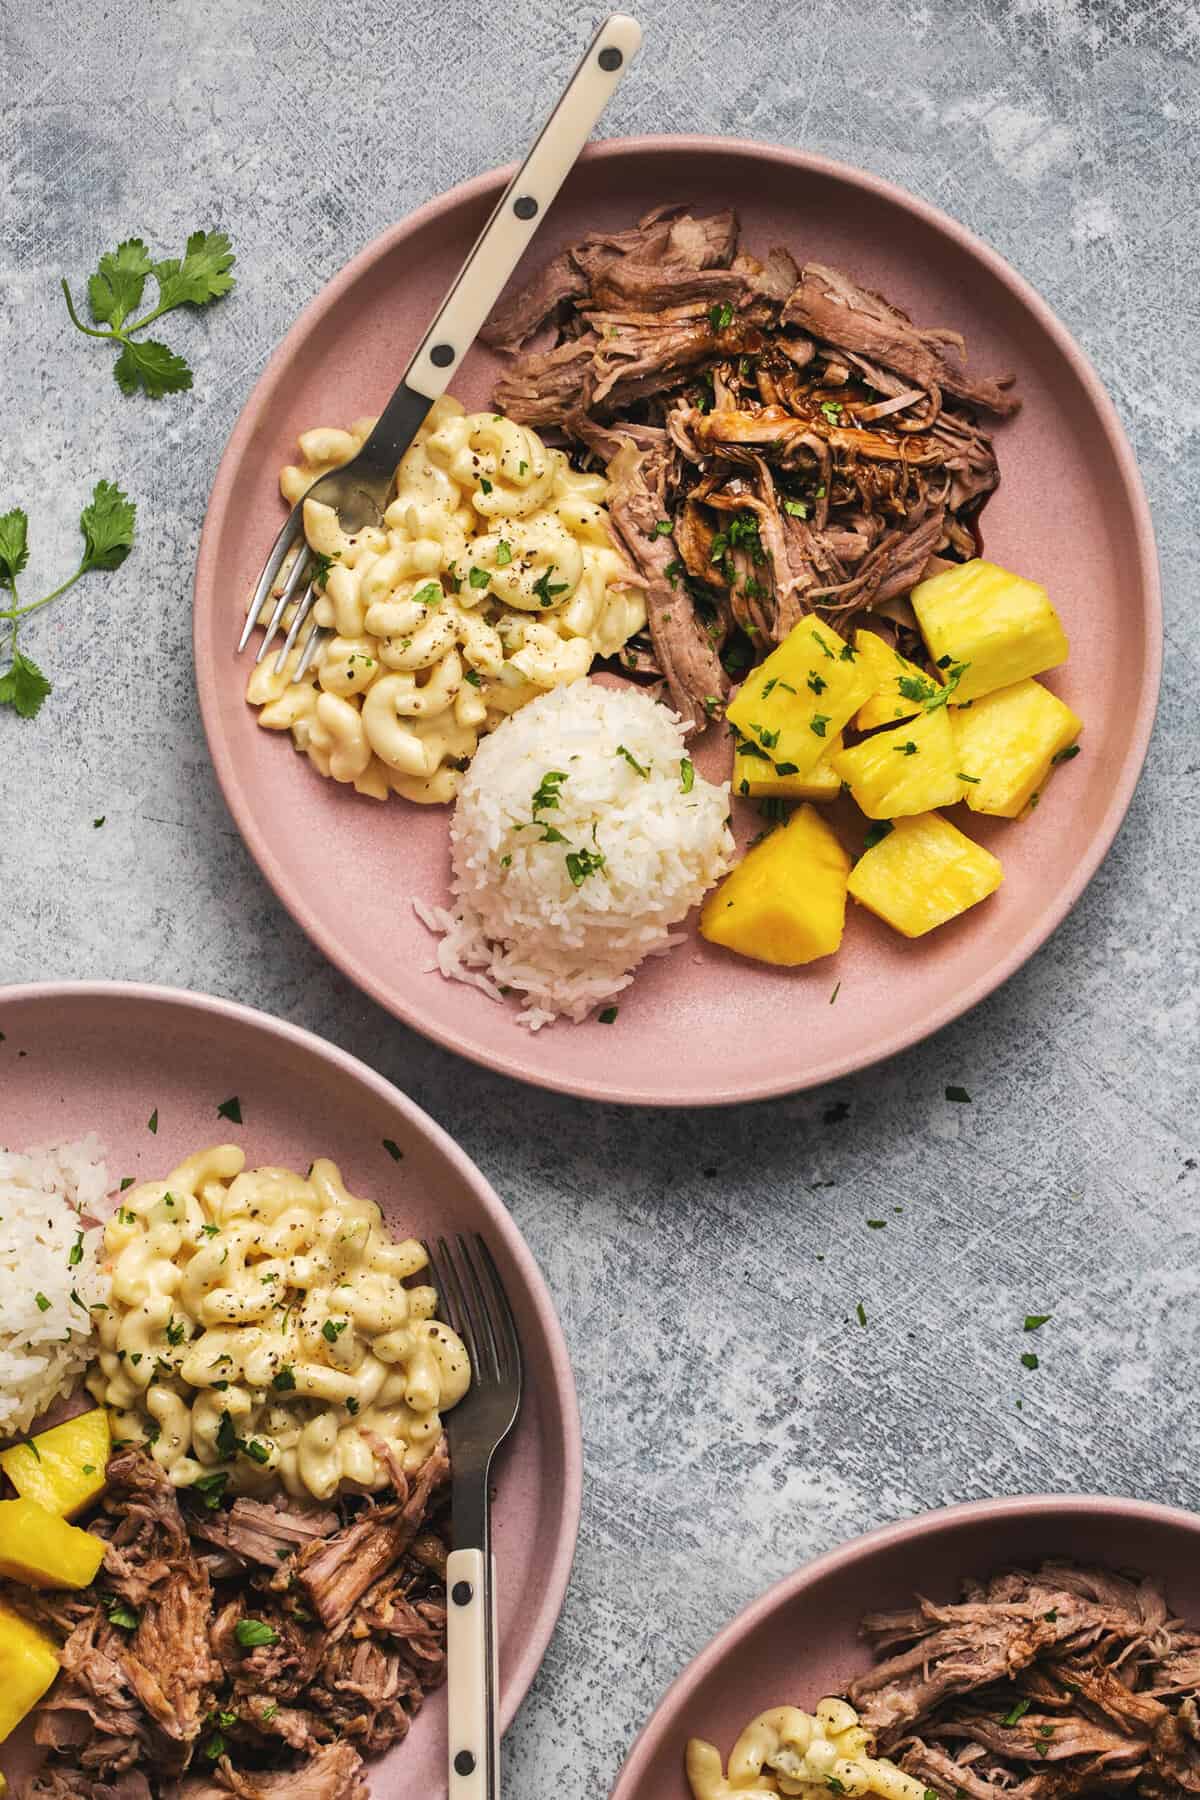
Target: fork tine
478 1306
310 643
451 1296
297 577
499 1309
288 533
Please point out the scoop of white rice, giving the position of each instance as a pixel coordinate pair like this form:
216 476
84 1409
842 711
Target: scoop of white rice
50 1274
581 835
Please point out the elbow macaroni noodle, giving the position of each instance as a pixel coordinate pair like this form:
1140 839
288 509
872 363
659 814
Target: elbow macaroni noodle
261 1328
787 1751
493 578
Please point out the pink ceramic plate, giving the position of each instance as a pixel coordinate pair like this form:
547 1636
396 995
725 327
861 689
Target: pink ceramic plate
799 1641
701 1026
105 1057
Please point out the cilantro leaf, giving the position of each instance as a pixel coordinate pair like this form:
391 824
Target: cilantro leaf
203 275
14 544
153 367
24 687
116 288
107 523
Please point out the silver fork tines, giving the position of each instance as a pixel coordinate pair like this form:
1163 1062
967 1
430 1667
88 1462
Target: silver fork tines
475 1304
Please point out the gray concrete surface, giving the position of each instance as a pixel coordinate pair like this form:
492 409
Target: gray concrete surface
738 1418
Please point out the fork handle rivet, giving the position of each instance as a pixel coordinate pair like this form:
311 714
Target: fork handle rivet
464 1763
610 59
526 207
441 356
462 1593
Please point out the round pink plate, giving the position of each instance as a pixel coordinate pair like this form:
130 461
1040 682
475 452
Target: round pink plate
113 1059
799 1641
701 1026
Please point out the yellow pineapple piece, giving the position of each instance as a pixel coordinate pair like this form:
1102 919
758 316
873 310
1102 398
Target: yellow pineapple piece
887 703
999 626
785 903
41 1550
756 777
922 873
794 704
909 770
28 1664
1008 742
63 1468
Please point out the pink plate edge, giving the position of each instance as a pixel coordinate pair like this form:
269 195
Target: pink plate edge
905 1036
899 1531
518 1678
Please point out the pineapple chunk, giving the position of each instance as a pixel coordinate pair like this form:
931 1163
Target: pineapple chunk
785 903
909 770
923 873
63 1468
41 1551
794 704
756 777
887 703
1008 742
28 1664
998 626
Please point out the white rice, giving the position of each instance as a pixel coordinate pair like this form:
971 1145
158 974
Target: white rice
519 922
46 1334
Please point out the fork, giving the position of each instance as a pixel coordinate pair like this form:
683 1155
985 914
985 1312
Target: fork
474 1303
359 490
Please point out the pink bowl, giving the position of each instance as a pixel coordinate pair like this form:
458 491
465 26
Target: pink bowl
799 1640
702 1027
104 1057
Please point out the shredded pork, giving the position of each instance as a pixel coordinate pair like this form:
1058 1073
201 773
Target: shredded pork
161 1699
1041 1685
780 440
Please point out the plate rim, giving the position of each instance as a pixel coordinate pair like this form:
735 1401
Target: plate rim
905 1036
520 1675
781 1593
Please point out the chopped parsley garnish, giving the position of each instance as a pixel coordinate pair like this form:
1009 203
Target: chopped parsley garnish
860 1313
545 795
121 1614
430 593
837 990
877 1224
126 1182
877 833
472 679
211 1487
608 1016
1062 756
75 1254
633 762
822 645
832 411
908 748
227 1437
663 527
582 863
210 1230
283 1381
176 1330
251 1634
817 724
393 1149
97 823
816 682
959 1094
479 578
332 1329
687 775
152 1122
720 316
673 571
503 554
797 508
255 1449
231 1109
1035 1321
485 485
43 1305
320 568
351 1405
768 739
1029 1360
1017 1714
973 779
546 590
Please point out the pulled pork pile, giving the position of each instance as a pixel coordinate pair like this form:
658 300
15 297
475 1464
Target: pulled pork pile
780 440
1039 1686
252 1650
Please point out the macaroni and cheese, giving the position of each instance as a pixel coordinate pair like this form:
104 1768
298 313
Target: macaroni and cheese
787 1751
492 578
261 1328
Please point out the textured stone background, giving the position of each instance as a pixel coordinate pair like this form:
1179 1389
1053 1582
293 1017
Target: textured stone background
737 1417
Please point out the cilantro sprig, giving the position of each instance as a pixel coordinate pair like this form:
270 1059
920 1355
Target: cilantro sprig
115 290
107 523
